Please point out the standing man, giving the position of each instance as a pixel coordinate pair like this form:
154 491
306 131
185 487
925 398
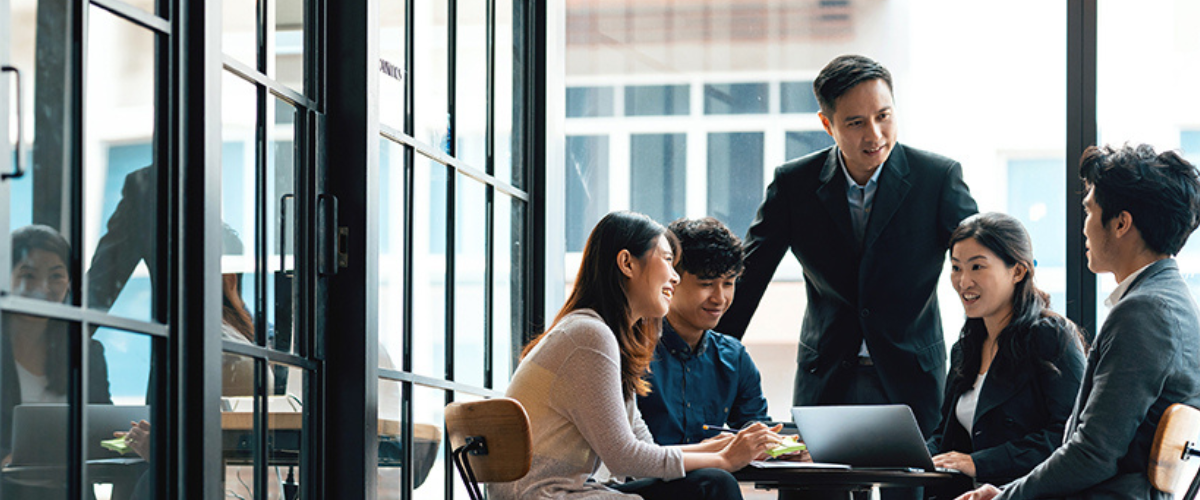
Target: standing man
1141 207
699 376
869 220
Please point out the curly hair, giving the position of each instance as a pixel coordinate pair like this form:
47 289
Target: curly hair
708 249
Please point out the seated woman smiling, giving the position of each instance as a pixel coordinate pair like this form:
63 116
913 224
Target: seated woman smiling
578 380
1016 367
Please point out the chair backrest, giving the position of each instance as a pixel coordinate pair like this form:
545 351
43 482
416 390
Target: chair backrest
504 425
1169 457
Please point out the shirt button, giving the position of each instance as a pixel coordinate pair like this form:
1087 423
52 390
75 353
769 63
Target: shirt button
865 312
689 405
727 410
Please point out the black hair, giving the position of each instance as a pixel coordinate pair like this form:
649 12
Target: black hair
38 237
708 249
602 287
841 75
1004 236
1160 191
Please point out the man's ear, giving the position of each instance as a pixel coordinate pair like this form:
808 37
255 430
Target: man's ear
1122 223
625 263
826 123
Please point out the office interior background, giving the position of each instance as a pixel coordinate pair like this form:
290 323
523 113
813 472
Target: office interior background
398 191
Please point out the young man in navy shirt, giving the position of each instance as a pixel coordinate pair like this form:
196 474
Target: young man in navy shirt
699 376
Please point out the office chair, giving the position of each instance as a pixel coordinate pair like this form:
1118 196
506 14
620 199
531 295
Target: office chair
1175 444
490 441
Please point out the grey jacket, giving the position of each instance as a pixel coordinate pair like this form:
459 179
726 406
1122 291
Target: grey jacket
1145 358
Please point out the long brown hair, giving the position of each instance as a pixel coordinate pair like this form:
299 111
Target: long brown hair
233 310
600 286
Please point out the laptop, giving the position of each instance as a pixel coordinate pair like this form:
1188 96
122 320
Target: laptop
867 436
40 431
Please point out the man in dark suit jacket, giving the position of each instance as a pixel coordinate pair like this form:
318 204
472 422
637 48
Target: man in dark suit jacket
869 221
1141 207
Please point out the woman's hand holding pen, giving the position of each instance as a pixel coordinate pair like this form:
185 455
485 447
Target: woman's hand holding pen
749 444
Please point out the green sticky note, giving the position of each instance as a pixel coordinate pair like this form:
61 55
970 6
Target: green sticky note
789 445
117 444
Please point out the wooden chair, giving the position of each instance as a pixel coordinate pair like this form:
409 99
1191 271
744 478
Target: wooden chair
1175 443
490 441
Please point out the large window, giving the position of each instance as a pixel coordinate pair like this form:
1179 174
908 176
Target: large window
451 211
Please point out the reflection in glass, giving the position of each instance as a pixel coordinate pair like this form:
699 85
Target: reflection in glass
735 179
238 181
286 48
391 250
585 102
656 100
587 186
503 104
428 466
238 427
239 35
391 448
286 432
432 63
470 94
120 176
798 144
506 319
34 358
429 268
281 227
391 64
735 98
131 381
470 267
658 171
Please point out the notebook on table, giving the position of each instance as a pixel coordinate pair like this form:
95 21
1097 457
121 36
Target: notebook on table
865 436
39 431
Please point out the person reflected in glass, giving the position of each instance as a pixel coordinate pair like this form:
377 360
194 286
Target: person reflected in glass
34 349
1016 367
578 382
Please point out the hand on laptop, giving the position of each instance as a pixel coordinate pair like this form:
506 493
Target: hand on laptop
957 461
985 492
138 438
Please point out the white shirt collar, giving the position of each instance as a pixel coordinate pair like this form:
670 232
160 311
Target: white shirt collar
1123 286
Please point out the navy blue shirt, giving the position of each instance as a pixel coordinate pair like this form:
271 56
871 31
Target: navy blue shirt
716 384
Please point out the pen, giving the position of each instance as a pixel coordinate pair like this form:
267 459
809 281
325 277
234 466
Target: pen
718 428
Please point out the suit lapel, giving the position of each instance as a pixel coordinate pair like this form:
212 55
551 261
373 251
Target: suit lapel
832 194
1004 380
893 188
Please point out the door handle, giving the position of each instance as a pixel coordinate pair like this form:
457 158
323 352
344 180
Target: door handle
17 170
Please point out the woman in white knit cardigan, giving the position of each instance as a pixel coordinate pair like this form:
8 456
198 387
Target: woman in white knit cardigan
578 380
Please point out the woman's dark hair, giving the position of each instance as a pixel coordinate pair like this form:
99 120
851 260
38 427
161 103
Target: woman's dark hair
1161 191
600 286
1004 236
233 309
38 237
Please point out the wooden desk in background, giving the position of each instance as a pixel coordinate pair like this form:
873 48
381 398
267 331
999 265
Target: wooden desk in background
237 435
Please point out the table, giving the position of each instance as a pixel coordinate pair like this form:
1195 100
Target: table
237 435
843 479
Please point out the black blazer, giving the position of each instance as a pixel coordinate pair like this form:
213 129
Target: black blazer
1022 406
1145 358
883 291
10 386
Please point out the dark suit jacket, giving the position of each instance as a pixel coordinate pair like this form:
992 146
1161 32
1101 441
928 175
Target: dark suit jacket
1022 406
1145 358
883 291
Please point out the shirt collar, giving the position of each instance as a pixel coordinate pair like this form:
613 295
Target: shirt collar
677 346
850 182
1123 286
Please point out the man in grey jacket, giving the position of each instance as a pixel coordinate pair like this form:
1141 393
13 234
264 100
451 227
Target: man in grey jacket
1141 207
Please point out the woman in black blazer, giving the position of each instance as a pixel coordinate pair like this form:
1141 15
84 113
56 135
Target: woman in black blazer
1016 367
